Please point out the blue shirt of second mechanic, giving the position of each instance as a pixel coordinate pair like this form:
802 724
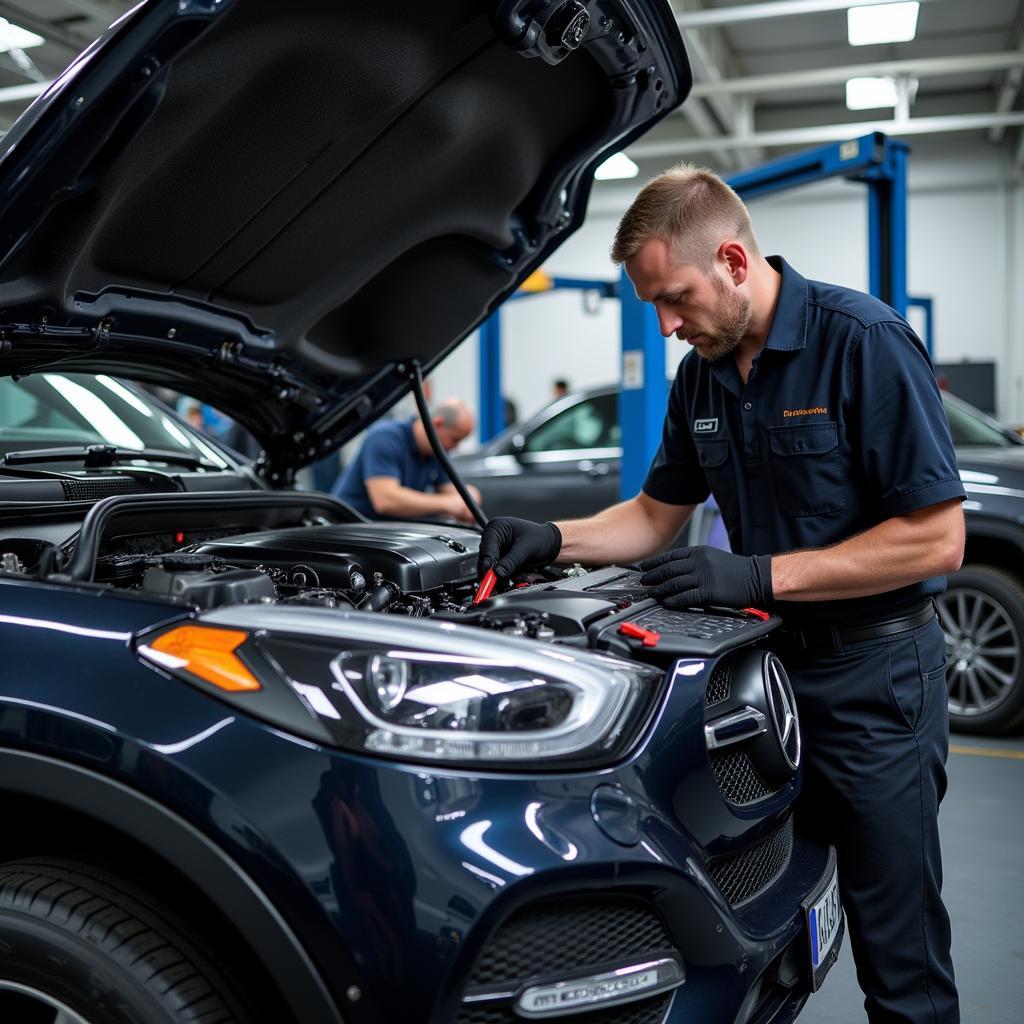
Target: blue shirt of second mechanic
839 426
389 449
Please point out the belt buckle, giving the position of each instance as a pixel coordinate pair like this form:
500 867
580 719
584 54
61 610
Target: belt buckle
793 639
830 640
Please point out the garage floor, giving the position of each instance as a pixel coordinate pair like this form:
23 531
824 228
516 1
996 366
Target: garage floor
982 824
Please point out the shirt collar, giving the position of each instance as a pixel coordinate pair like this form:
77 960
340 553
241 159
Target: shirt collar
788 331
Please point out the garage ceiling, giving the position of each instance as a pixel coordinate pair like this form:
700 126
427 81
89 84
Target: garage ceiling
770 74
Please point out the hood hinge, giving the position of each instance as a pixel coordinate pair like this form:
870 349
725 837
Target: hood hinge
276 468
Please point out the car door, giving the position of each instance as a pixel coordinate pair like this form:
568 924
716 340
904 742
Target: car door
568 464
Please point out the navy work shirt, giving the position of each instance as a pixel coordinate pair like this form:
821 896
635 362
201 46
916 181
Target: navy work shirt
839 427
389 449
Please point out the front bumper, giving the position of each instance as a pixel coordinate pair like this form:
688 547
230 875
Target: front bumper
402 885
453 895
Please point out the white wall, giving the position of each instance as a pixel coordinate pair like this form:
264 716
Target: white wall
966 236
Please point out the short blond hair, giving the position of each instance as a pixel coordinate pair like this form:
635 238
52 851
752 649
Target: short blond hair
691 209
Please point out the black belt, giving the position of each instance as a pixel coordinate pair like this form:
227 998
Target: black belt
832 639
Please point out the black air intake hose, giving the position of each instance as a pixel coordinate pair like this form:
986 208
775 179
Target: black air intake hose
379 596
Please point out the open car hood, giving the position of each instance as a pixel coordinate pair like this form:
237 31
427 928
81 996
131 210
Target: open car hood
277 207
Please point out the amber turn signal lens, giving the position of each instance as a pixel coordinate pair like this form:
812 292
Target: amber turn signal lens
209 653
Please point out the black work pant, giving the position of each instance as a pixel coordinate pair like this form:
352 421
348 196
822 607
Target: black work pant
876 734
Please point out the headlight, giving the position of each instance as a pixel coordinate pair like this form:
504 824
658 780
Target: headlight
433 692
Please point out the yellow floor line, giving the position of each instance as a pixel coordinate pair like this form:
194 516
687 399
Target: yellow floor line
1017 755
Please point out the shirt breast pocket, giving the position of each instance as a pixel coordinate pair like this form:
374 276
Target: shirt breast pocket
808 469
713 457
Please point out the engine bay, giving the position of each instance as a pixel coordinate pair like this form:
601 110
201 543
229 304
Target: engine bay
259 554
404 568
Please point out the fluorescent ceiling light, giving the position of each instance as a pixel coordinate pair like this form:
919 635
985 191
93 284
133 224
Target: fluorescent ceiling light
869 93
882 23
617 166
14 37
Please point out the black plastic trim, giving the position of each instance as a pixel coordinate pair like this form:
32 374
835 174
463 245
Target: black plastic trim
221 880
83 561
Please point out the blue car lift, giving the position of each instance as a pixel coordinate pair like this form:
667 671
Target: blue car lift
492 405
875 160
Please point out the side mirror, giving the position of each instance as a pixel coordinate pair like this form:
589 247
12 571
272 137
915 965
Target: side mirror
517 445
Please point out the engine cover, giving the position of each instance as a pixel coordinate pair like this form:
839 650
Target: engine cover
616 613
418 557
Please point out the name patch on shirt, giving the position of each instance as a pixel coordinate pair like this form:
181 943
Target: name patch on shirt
705 426
818 410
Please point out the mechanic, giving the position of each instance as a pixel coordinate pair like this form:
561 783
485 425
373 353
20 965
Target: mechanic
395 474
811 412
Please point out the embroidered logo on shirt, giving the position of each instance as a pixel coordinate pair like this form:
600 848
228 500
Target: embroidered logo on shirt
819 410
705 426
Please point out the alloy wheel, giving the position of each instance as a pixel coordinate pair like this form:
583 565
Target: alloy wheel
23 1003
983 650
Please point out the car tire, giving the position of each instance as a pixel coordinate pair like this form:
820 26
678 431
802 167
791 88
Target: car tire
982 615
78 944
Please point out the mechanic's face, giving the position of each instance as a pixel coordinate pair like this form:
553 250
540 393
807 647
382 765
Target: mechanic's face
708 312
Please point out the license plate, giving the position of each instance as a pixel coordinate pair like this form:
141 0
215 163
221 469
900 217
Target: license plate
824 916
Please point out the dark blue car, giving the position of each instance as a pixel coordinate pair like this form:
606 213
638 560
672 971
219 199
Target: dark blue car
262 760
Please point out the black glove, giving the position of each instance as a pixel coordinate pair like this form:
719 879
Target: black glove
509 544
697 576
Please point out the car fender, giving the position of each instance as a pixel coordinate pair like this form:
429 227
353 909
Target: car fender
166 834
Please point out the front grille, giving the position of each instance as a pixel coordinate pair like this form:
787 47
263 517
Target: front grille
719 685
737 778
564 936
744 875
650 1011
94 488
567 935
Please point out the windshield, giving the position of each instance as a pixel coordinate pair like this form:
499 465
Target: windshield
970 427
61 410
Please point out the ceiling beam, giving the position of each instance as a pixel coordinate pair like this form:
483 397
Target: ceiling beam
921 67
712 63
825 133
20 93
701 118
1007 97
1010 89
704 125
56 34
745 125
97 9
768 9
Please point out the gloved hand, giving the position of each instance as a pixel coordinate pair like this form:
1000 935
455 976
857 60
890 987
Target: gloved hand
702 575
509 544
